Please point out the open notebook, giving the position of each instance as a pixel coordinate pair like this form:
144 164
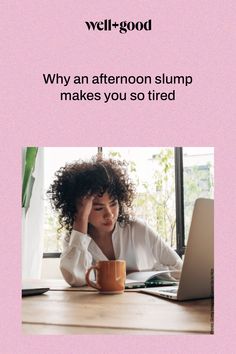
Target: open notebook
146 279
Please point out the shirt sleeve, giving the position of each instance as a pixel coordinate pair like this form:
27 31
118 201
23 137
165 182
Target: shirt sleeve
165 257
75 259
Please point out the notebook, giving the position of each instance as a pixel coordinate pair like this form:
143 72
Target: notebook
196 279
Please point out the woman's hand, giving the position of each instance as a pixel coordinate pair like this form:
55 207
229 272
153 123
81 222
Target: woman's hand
83 207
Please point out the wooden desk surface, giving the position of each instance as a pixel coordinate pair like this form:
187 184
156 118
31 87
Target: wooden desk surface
65 310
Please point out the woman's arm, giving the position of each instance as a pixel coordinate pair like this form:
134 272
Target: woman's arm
83 207
165 257
76 259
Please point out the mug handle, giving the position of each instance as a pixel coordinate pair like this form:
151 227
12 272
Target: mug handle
90 282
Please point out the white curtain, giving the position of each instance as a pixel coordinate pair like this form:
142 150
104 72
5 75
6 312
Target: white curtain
32 224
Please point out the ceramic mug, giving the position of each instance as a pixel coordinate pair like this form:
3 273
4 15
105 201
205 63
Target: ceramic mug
110 276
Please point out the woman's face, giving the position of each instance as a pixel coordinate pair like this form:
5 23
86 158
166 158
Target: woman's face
104 213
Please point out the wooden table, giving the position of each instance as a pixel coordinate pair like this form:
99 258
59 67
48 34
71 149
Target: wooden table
65 310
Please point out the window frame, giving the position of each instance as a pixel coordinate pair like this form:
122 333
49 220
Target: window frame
179 200
179 197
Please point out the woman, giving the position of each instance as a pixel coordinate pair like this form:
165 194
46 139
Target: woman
94 201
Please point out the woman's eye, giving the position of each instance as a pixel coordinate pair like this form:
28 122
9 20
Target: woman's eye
97 209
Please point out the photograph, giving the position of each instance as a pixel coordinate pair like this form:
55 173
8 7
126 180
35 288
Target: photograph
109 230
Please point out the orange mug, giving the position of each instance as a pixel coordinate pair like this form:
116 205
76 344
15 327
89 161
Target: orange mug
110 276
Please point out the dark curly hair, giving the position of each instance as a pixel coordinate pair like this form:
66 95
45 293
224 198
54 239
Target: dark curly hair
95 177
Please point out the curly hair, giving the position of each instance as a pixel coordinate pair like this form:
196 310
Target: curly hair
94 177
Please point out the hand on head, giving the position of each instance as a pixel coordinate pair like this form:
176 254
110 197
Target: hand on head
83 207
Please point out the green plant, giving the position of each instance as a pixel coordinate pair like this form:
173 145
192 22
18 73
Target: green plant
29 159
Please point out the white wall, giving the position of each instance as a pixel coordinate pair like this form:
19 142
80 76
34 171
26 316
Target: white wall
50 268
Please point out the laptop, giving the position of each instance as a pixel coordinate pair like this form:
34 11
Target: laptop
196 281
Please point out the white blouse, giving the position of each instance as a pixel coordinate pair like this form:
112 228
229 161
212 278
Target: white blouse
136 243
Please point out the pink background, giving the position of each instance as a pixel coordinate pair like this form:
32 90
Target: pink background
188 37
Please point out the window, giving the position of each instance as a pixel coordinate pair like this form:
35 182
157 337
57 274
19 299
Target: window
153 172
198 173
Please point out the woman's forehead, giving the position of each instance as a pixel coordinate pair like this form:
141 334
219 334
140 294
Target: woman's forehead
105 198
